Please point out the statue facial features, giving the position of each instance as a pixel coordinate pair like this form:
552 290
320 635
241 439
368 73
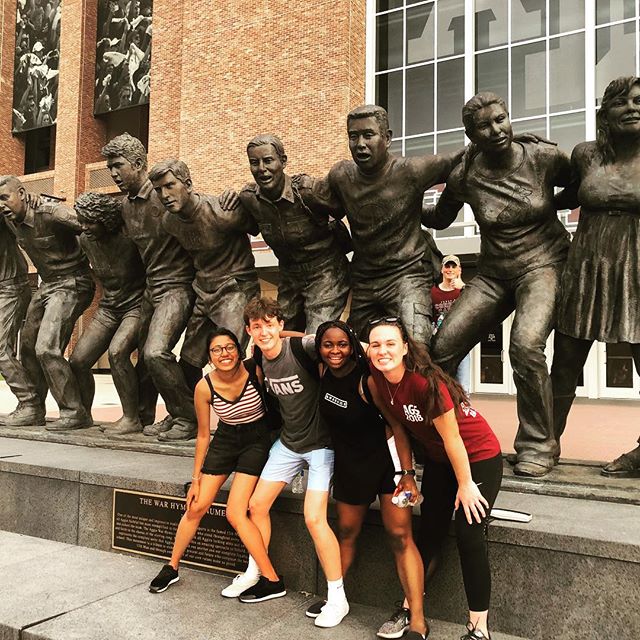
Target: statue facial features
13 204
127 176
623 115
173 193
368 144
267 168
92 228
492 131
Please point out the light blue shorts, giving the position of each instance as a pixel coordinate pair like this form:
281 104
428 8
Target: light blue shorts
283 465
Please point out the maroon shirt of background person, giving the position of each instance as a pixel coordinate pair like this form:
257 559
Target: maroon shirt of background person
409 409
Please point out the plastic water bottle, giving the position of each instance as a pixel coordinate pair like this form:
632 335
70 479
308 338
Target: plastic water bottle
297 484
403 500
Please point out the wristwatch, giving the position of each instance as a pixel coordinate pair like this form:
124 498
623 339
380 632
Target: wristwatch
408 472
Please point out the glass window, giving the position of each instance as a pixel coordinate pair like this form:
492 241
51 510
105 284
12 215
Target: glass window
450 93
567 130
450 141
613 10
528 19
450 27
615 54
492 70
421 146
419 115
535 125
389 41
385 5
389 96
528 87
566 73
567 15
491 369
420 33
619 366
491 23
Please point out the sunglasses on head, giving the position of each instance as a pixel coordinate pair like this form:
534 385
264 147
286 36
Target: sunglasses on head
391 320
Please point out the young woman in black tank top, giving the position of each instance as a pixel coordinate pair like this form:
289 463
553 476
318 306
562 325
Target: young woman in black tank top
363 465
240 444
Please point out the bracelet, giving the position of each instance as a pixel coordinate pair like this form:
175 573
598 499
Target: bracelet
408 472
196 477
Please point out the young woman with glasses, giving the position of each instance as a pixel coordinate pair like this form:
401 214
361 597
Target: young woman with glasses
240 444
463 463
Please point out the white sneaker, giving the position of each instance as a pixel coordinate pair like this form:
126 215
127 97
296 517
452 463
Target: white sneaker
332 614
241 582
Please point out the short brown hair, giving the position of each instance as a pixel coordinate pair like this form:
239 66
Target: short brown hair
262 309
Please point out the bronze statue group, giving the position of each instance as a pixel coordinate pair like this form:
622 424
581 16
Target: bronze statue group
351 402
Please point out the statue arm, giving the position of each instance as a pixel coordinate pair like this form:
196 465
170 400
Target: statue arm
444 213
62 216
432 170
568 197
322 197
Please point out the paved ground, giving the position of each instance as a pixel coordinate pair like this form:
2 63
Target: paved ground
597 430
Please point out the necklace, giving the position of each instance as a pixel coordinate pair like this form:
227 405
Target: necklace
393 395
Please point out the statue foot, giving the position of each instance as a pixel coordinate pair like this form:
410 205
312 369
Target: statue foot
179 431
157 428
531 469
78 420
625 466
26 415
124 426
511 458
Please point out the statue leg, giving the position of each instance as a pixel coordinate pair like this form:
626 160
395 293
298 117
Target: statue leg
326 293
569 357
536 294
483 304
412 302
366 304
291 300
14 300
148 394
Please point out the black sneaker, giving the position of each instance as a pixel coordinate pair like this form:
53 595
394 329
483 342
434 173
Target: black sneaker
263 590
314 610
473 633
167 576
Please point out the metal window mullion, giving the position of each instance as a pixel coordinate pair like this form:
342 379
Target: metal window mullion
370 53
509 56
590 68
547 65
405 50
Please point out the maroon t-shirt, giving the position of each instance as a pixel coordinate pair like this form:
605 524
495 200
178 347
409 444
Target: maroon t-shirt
409 401
442 302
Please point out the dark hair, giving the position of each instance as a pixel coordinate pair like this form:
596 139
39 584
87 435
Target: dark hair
170 165
262 309
418 360
357 352
223 331
98 207
618 87
128 147
370 111
268 138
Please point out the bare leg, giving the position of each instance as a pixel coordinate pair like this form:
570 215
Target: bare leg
350 519
324 539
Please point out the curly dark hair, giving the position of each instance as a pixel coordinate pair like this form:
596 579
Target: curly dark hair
357 352
128 147
618 87
417 360
98 207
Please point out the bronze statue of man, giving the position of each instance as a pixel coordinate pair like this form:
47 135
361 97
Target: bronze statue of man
168 298
15 294
47 233
381 195
226 277
115 326
314 271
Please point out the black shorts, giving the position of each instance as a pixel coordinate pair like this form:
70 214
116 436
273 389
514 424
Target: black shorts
359 477
240 447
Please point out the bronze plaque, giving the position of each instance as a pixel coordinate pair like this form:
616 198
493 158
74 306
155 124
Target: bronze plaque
146 523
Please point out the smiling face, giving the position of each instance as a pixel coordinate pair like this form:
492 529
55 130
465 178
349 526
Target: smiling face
368 143
223 353
91 228
267 168
387 348
492 130
335 348
623 115
451 271
266 334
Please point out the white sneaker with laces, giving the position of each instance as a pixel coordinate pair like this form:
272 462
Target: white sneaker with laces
241 583
332 614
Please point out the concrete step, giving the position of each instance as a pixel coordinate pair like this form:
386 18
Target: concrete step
56 591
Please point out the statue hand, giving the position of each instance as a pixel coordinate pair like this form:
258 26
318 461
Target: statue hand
229 200
34 201
533 137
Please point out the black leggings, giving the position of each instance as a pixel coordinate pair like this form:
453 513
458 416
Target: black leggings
439 488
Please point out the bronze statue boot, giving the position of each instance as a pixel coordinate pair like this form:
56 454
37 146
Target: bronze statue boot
26 415
77 420
157 428
181 430
528 469
625 466
124 426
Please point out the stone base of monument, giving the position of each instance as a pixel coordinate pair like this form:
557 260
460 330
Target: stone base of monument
572 572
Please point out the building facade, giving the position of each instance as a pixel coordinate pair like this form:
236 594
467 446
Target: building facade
222 72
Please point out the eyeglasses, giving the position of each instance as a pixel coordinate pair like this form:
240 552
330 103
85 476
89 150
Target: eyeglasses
373 323
229 348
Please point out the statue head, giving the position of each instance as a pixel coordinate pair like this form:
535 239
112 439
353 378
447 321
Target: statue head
619 114
267 161
13 198
369 137
172 181
99 214
127 162
486 122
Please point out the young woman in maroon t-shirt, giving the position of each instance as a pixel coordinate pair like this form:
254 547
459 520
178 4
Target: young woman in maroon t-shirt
463 464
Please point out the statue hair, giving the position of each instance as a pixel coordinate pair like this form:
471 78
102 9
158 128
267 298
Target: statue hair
98 207
128 147
170 165
12 181
370 111
268 138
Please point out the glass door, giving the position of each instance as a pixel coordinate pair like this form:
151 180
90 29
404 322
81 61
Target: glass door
491 372
617 375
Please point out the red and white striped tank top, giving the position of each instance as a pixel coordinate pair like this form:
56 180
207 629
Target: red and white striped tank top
247 408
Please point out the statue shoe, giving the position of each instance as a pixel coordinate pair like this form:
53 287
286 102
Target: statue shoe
157 428
529 469
625 466
123 427
179 431
26 415
79 420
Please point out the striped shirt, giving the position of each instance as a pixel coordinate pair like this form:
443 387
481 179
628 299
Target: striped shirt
247 408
